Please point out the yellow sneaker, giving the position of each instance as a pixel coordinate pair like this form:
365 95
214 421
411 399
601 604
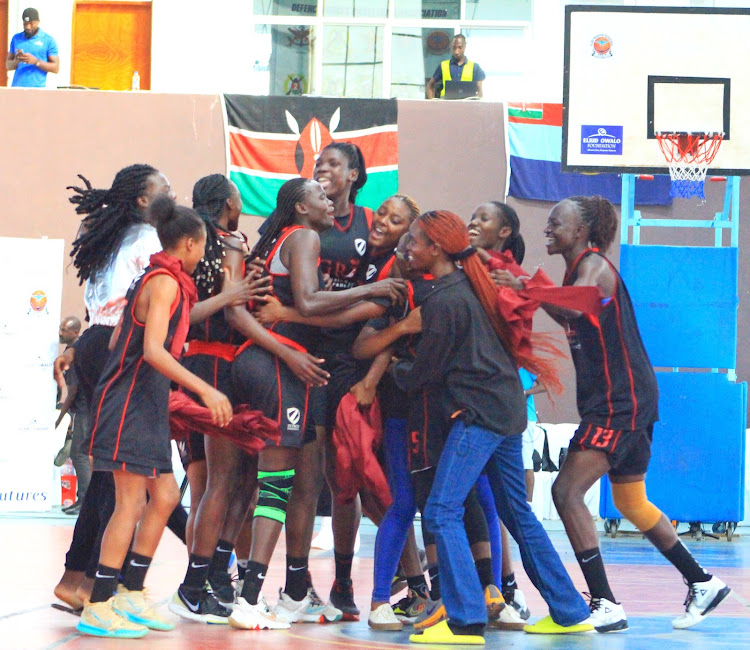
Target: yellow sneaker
431 616
548 626
494 601
137 608
100 619
443 635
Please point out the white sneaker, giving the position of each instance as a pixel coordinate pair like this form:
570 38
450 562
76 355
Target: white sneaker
384 619
324 539
607 616
508 619
308 610
702 598
518 602
255 617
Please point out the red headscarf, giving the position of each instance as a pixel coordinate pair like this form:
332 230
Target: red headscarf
173 266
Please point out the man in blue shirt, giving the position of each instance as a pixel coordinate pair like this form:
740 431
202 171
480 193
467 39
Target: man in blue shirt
33 53
457 68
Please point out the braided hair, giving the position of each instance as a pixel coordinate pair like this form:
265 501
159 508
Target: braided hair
210 195
290 193
601 218
514 243
108 215
356 161
411 205
448 231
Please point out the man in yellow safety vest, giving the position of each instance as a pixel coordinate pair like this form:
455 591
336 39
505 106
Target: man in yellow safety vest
457 68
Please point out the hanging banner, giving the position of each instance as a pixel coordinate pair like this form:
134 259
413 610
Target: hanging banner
29 322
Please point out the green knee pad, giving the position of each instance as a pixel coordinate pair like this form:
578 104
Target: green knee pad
275 488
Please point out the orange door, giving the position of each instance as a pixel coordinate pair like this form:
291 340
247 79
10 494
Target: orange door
111 40
4 39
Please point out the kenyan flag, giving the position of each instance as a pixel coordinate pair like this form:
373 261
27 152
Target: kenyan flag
273 139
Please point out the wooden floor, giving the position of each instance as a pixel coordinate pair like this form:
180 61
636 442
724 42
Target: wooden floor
652 592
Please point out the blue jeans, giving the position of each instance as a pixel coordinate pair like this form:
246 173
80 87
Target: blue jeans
467 451
394 528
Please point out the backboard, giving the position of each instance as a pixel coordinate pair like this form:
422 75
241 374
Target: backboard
634 71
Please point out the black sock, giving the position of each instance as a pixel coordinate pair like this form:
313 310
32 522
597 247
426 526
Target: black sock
419 585
254 577
222 555
343 566
484 571
686 564
475 629
134 571
434 582
197 572
509 583
308 577
296 577
241 568
105 583
592 567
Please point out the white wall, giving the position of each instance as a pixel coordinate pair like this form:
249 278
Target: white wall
210 47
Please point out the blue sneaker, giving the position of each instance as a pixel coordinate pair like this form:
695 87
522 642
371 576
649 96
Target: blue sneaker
100 619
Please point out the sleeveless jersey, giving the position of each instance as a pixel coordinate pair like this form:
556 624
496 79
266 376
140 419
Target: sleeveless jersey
615 383
376 267
281 288
130 410
343 247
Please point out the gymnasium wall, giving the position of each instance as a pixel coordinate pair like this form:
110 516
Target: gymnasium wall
451 156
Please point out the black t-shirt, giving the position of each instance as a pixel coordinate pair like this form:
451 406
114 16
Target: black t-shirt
460 347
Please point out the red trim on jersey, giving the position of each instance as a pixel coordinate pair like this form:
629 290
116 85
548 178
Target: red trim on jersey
278 385
585 435
617 439
577 261
279 338
348 223
106 388
125 407
386 270
631 380
146 278
225 351
594 320
425 426
410 295
282 238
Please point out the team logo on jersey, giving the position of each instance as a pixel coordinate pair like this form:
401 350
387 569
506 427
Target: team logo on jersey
292 417
601 46
360 245
371 271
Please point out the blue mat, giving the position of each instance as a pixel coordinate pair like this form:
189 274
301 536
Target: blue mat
697 470
686 301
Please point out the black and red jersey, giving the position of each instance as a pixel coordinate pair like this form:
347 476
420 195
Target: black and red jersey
376 266
281 288
216 329
615 382
130 409
344 246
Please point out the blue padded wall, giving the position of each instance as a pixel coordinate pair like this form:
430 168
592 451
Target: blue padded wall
697 470
686 301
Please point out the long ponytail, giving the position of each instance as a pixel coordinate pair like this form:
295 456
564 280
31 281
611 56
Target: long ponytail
450 233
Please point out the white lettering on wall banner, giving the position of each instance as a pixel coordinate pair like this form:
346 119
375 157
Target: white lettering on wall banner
29 323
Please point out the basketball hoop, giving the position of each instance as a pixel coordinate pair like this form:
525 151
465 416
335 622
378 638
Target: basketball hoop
688 156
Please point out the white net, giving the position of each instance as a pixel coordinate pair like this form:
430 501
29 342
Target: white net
688 157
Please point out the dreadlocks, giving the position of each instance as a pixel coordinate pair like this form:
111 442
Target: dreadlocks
292 192
210 195
108 214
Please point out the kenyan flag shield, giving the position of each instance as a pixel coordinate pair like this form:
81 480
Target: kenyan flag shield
273 139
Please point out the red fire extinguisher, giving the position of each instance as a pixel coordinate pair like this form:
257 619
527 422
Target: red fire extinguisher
69 482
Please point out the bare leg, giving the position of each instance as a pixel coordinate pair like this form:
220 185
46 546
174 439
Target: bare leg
196 475
164 495
130 504
308 482
66 589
